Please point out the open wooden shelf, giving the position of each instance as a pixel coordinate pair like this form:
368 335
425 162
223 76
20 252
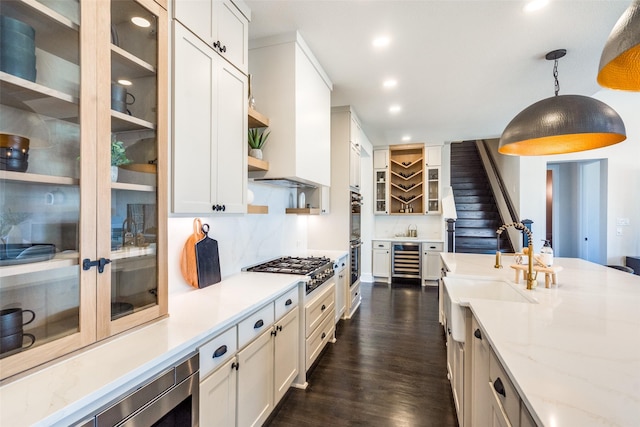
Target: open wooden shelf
257 209
303 211
258 165
257 120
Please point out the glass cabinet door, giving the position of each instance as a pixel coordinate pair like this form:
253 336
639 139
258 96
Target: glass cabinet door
381 191
131 138
43 119
62 218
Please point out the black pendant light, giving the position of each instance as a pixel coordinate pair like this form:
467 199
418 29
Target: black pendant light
562 124
620 60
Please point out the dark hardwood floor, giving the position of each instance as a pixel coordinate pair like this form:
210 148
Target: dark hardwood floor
387 368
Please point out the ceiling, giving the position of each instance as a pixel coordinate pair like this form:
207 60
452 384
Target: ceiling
464 68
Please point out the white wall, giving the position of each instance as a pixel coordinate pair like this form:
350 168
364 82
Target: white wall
429 226
243 240
622 186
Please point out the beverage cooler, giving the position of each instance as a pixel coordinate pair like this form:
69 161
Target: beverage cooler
405 260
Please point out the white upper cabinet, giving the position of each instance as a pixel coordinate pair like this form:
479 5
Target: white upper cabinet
380 159
221 24
291 88
433 155
209 129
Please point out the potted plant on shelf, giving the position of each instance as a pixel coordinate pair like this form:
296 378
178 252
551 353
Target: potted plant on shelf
118 157
257 139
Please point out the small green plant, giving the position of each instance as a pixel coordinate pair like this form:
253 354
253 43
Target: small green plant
118 153
257 139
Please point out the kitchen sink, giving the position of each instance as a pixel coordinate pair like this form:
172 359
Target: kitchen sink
459 291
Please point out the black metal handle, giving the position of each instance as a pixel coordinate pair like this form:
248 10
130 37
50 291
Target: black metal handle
477 334
323 307
223 49
449 331
224 208
288 302
274 333
220 351
279 328
499 387
216 44
235 365
87 264
258 324
323 335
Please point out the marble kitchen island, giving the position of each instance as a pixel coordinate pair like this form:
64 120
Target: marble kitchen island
574 355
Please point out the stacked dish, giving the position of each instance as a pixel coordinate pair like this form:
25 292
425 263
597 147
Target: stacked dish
17 48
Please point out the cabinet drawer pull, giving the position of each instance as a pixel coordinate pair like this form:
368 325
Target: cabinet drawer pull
288 302
323 335
258 324
220 351
381 246
499 387
477 334
323 307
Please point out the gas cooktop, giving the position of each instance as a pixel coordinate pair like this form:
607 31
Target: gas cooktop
318 269
291 265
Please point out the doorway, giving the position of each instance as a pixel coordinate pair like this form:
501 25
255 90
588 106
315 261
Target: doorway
577 204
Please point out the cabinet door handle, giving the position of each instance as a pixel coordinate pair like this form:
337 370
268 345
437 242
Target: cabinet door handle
220 351
274 332
449 331
477 334
235 365
323 335
323 307
499 387
87 264
223 49
288 302
279 328
258 324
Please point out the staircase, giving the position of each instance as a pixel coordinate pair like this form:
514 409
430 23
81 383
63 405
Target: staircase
478 216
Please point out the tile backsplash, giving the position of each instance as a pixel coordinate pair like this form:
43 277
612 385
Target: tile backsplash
243 240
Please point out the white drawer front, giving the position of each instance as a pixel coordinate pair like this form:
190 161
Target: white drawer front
511 400
286 302
316 342
255 324
379 244
316 311
217 351
433 247
355 295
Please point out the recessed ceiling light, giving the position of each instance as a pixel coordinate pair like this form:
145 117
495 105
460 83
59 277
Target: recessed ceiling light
141 22
125 82
381 41
534 5
395 109
406 138
390 83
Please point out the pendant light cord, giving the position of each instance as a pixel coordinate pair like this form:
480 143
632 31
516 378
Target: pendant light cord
555 76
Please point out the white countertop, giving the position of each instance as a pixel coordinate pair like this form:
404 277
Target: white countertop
574 357
92 378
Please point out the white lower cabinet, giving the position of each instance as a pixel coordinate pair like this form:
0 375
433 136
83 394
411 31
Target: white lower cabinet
494 400
218 397
286 354
342 284
319 325
255 381
241 388
381 259
431 261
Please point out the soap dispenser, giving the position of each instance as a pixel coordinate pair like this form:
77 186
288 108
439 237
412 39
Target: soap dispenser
546 253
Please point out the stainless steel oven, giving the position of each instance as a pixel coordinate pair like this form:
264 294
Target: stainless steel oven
354 221
171 398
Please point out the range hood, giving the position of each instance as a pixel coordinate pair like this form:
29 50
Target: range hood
293 91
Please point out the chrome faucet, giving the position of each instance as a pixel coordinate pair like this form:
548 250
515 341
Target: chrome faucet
531 278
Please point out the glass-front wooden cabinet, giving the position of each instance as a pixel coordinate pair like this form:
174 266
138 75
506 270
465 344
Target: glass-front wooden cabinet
80 240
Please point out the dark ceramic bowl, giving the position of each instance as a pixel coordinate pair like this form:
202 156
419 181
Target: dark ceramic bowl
14 165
